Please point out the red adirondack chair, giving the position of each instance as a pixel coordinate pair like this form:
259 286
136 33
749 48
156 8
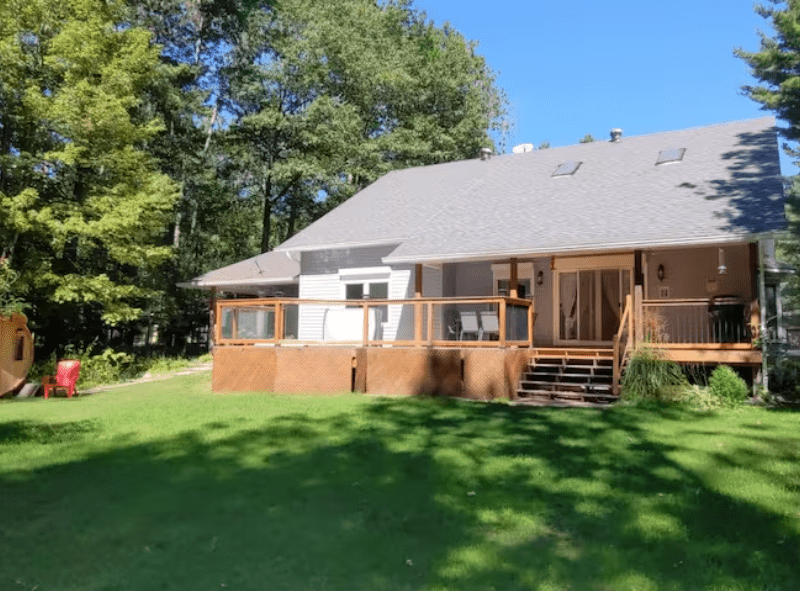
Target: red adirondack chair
67 374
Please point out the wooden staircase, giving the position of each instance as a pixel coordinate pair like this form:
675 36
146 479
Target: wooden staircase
568 377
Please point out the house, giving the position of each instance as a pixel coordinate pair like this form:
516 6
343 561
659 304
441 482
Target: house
531 273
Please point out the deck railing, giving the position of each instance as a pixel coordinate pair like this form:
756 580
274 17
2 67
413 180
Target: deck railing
696 321
623 342
495 321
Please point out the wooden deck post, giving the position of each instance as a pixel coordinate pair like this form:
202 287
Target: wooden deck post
615 382
217 322
513 284
531 318
418 307
365 326
430 324
212 321
279 328
762 305
502 322
638 322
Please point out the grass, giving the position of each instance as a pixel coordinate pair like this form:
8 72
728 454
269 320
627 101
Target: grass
167 486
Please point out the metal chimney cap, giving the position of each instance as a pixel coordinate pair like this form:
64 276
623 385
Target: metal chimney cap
486 153
616 134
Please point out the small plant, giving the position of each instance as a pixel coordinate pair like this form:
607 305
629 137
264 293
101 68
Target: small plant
728 386
651 377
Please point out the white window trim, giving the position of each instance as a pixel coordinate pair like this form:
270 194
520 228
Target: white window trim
364 276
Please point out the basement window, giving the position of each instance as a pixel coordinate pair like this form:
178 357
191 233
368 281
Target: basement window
567 169
670 155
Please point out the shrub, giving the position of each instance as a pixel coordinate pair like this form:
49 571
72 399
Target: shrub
728 386
651 377
784 379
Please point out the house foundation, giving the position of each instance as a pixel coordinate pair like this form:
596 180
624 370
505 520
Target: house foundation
467 373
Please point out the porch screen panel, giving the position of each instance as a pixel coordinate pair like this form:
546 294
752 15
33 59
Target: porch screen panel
610 303
586 297
568 306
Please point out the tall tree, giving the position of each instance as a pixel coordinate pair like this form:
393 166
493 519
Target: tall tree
85 206
776 66
330 96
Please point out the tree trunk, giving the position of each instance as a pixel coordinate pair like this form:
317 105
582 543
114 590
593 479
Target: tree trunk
265 231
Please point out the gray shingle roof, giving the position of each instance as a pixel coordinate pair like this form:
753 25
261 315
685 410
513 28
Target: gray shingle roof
726 187
269 268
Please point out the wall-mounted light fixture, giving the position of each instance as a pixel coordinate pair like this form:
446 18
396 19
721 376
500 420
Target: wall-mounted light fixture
540 278
661 273
722 269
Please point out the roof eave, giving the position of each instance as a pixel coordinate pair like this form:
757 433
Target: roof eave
571 251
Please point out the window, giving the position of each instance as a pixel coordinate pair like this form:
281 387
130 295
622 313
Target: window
19 349
568 168
523 287
670 155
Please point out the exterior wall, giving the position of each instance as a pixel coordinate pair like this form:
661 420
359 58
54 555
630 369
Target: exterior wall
477 374
320 279
687 272
543 301
283 369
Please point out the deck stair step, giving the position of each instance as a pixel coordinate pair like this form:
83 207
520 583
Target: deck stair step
568 377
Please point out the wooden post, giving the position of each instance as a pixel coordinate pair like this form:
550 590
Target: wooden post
762 305
365 328
430 324
531 318
502 322
638 322
217 322
279 328
213 337
235 323
629 306
513 284
418 307
615 383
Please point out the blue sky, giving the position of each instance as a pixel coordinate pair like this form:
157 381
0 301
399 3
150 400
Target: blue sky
573 67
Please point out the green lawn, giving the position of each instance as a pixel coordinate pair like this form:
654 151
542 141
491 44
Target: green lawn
167 486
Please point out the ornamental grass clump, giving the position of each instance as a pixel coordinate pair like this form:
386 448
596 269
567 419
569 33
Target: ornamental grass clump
728 386
651 377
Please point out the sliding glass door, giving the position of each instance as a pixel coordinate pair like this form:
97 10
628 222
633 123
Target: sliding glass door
590 304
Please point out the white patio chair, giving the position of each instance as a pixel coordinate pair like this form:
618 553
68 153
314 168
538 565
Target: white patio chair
490 325
469 325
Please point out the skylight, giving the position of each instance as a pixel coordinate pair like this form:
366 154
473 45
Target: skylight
670 155
567 169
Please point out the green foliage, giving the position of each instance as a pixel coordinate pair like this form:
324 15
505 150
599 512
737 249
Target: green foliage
775 67
650 377
331 96
109 366
726 385
784 379
85 207
587 139
9 304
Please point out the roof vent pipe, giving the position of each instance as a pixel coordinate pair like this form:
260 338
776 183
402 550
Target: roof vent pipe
486 153
616 135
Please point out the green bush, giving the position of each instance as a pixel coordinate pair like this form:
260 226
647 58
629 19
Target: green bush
108 366
650 377
726 385
784 378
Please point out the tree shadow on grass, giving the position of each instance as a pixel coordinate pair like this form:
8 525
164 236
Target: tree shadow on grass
407 494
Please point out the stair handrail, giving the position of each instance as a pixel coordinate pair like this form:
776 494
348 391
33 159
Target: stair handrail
625 331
